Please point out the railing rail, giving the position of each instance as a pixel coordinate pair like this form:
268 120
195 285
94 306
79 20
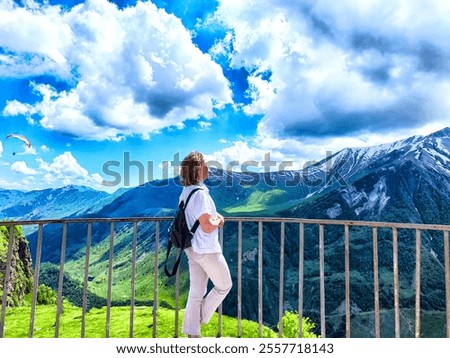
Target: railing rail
260 221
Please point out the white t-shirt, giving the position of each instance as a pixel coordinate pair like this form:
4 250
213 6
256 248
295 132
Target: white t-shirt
199 204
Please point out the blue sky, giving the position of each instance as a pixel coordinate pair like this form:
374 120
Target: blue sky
95 84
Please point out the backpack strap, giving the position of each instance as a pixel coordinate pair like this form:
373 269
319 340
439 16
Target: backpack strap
197 223
195 226
177 262
169 245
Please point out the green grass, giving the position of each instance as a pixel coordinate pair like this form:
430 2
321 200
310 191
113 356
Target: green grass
18 318
144 279
259 201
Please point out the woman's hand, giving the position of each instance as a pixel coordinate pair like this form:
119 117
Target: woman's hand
222 220
209 223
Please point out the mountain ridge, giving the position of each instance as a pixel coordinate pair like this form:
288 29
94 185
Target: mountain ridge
337 170
404 181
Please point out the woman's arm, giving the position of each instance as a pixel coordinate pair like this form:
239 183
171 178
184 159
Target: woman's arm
208 224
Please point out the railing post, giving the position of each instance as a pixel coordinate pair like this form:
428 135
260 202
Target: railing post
6 278
396 282
59 306
37 268
177 299
376 286
110 278
322 281
155 281
418 259
301 239
260 274
219 320
447 281
86 276
281 283
133 278
239 280
347 280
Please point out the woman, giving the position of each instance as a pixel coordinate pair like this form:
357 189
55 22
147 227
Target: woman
205 256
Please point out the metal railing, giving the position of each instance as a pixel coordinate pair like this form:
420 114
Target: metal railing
301 224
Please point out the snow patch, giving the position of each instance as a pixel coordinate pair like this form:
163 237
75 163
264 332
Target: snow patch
352 196
334 212
250 255
361 201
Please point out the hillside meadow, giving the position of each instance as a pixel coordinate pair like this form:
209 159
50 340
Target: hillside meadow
18 318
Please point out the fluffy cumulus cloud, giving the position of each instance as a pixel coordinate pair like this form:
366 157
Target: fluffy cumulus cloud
62 170
321 68
22 167
65 169
259 156
119 79
33 41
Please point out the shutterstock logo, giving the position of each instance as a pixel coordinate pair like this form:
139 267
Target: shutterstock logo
246 173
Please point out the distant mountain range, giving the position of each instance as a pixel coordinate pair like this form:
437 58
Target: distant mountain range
62 202
355 183
405 181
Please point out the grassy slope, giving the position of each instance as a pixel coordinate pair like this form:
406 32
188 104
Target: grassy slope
144 277
259 201
17 323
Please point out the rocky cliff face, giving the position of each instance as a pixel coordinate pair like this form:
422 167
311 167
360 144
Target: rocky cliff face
21 278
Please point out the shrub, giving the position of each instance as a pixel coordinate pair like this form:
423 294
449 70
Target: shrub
290 326
45 295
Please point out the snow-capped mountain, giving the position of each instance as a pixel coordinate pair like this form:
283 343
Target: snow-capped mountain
432 151
411 176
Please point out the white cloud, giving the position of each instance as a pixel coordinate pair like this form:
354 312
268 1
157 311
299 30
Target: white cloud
29 151
38 32
22 167
245 155
16 185
63 170
204 125
337 69
126 80
415 21
26 150
14 108
65 167
1 148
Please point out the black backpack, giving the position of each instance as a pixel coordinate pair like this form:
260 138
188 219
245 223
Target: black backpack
179 234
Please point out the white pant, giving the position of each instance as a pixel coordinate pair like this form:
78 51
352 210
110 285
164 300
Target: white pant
199 309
